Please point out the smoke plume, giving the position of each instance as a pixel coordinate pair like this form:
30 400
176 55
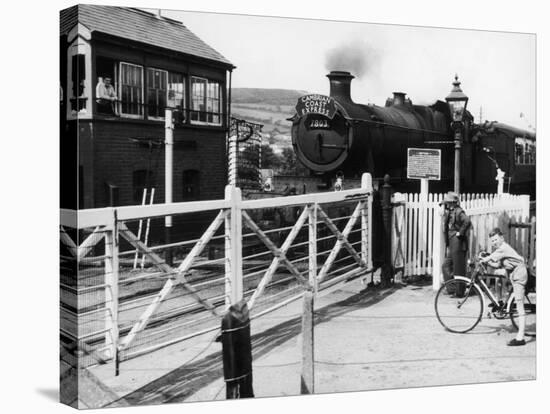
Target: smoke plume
356 57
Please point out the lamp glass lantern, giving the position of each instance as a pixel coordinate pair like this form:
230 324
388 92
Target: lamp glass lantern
457 101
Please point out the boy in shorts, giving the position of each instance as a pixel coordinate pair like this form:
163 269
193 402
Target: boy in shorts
510 263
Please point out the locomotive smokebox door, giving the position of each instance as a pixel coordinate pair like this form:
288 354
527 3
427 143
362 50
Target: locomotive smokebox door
320 134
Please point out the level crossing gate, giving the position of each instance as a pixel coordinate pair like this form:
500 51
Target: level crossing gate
111 310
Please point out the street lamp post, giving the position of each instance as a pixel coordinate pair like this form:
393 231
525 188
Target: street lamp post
457 102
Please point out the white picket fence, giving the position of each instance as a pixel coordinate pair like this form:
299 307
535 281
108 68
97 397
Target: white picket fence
418 247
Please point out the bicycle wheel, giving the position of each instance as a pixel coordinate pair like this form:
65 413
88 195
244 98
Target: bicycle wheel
530 304
459 314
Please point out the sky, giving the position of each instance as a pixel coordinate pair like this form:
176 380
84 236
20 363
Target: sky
497 69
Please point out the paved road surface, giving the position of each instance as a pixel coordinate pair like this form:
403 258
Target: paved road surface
364 340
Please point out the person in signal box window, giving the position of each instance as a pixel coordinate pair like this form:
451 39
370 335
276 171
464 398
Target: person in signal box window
106 96
457 225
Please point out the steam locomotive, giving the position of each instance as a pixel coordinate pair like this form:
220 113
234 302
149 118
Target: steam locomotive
333 136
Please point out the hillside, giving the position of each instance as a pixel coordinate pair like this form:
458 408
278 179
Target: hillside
265 96
269 107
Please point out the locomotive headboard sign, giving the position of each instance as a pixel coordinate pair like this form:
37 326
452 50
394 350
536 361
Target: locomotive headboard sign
316 104
424 164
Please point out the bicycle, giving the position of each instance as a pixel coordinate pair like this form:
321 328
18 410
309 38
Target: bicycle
460 302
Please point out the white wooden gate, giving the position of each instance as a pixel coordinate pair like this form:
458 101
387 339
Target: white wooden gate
116 310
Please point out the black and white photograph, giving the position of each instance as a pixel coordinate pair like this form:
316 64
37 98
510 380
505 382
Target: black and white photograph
255 203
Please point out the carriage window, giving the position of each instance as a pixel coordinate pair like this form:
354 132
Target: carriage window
525 151
206 101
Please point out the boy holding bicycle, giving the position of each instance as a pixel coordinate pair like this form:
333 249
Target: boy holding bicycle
510 263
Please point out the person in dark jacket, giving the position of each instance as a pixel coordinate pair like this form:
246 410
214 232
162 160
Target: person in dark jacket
455 232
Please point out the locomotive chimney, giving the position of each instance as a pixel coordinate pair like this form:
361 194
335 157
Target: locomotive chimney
340 85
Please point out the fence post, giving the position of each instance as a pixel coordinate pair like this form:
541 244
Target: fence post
307 377
111 288
397 235
422 224
366 222
386 225
525 206
438 248
233 247
307 380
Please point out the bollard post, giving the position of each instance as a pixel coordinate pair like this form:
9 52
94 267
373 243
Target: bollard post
237 352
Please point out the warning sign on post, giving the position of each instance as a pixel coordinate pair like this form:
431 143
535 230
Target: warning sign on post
424 163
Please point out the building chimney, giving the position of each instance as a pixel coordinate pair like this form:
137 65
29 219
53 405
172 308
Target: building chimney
340 85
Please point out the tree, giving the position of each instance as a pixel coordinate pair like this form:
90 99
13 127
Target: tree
290 165
270 160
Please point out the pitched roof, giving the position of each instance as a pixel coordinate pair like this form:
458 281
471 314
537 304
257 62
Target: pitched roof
139 26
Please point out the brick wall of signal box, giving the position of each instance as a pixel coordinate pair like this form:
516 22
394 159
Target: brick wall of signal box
116 157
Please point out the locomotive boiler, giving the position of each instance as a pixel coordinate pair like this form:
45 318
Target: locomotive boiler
332 135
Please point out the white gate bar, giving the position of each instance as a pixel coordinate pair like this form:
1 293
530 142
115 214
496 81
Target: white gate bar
202 242
306 199
90 242
167 288
275 262
342 241
159 262
280 253
312 246
67 241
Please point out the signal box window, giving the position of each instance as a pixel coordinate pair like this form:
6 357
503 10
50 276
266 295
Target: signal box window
164 90
206 101
176 93
191 185
78 77
131 90
156 92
